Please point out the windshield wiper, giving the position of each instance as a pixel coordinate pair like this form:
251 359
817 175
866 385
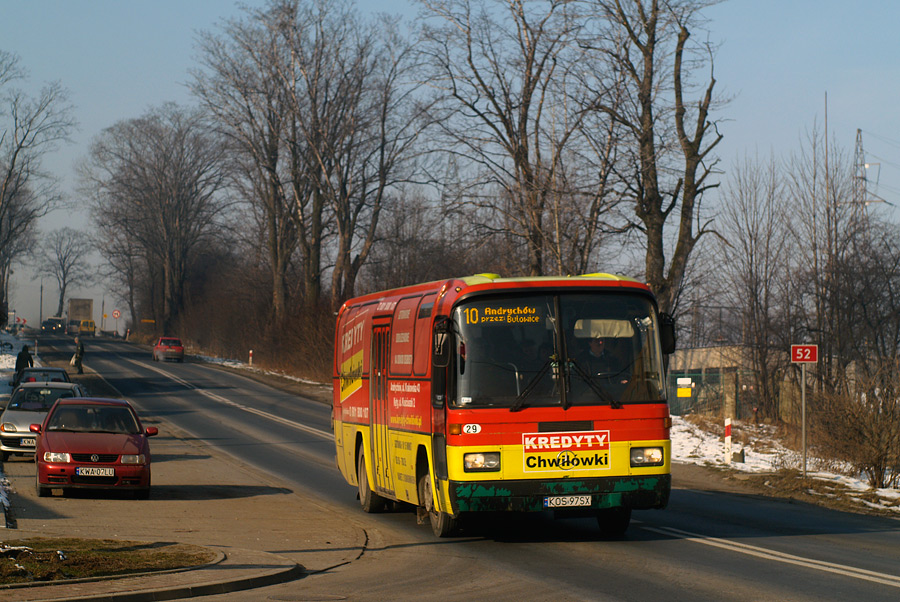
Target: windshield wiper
520 398
600 391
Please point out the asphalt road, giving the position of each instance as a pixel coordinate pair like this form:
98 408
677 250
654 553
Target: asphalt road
708 544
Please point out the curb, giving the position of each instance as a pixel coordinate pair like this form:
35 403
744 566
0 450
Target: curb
188 583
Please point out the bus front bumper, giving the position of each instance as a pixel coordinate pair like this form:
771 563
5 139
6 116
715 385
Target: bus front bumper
636 492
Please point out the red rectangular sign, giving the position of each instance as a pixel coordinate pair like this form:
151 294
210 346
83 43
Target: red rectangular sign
804 354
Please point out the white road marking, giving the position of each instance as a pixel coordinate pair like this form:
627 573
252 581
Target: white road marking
742 548
297 425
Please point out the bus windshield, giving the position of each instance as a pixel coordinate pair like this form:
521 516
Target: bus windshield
569 349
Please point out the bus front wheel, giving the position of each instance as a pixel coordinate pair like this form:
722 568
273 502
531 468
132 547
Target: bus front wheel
613 522
368 499
442 524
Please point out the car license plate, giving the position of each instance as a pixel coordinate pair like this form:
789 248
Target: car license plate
567 501
26 442
94 471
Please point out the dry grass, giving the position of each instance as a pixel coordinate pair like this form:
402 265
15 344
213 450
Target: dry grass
33 560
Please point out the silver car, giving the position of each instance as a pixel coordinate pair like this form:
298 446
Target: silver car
28 405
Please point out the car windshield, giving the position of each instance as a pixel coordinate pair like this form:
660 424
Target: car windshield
93 418
566 349
37 400
170 342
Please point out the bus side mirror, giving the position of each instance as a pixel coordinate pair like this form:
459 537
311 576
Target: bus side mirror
440 353
667 333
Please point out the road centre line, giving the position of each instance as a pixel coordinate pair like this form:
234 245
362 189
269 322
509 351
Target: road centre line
215 397
742 548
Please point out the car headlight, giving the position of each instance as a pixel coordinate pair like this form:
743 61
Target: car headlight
481 461
647 456
133 459
57 457
8 427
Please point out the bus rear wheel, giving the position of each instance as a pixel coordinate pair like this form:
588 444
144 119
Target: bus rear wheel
368 499
613 522
442 524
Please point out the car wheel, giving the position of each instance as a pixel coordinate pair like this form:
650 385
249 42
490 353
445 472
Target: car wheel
4 456
368 499
40 489
442 524
142 494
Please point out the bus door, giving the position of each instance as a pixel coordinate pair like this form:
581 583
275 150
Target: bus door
381 453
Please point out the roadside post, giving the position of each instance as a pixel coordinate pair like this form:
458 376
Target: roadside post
728 456
804 354
251 357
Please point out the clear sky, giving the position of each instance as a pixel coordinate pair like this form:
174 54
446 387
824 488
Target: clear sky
777 59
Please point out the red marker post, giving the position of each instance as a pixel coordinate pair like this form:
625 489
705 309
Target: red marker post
804 354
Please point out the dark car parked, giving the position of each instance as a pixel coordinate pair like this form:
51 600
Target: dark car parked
29 404
40 374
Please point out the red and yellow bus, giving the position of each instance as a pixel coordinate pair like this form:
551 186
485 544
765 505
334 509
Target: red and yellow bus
485 393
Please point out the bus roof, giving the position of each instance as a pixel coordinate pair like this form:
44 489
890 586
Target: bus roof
487 281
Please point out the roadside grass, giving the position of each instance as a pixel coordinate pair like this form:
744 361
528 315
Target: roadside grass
40 560
791 484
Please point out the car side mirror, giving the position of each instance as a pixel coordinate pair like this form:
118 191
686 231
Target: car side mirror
35 428
151 431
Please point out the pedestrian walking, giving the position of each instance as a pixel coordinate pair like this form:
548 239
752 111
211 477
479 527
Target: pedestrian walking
23 360
79 355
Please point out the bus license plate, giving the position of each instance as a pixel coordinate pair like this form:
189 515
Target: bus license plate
567 501
26 442
94 471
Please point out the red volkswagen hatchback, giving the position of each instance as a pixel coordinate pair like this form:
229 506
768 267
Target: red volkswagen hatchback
168 348
90 443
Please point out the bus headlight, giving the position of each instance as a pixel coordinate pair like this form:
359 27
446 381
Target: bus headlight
647 456
481 462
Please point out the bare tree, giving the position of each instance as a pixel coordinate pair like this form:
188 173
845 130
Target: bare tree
349 83
862 425
499 71
648 47
63 256
155 180
819 188
241 87
868 293
29 129
123 265
754 259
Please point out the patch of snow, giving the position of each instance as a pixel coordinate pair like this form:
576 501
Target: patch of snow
693 445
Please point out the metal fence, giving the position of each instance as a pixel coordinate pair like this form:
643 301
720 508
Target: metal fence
725 393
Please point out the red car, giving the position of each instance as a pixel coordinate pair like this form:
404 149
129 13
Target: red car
91 443
168 348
